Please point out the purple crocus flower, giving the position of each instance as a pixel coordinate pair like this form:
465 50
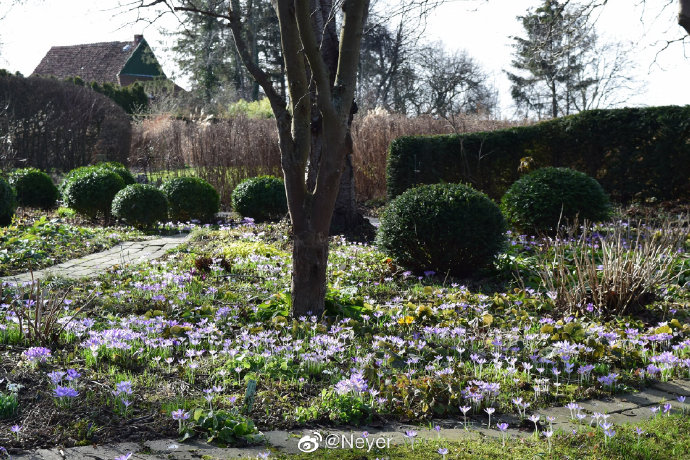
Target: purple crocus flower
65 392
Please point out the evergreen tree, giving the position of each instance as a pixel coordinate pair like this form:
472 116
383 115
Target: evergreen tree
551 60
206 51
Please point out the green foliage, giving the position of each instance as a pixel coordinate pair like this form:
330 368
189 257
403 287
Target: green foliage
140 205
120 169
9 403
34 188
442 227
261 198
341 408
43 243
346 408
191 198
205 51
74 174
537 201
253 109
131 98
227 427
634 154
91 192
556 60
8 203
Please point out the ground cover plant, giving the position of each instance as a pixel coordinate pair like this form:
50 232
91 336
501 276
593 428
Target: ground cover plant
201 343
41 240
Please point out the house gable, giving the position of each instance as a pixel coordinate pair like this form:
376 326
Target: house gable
119 63
143 63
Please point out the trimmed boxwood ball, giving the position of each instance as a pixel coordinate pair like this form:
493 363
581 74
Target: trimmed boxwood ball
534 202
121 171
191 198
34 188
447 228
118 168
140 205
261 198
91 193
8 203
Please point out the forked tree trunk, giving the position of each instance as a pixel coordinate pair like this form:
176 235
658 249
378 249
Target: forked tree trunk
334 78
684 14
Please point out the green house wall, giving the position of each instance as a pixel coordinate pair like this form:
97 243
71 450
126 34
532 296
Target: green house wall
143 63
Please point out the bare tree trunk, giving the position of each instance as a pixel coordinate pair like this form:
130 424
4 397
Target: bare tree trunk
684 14
309 262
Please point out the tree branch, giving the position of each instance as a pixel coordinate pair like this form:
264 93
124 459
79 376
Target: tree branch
316 62
355 13
294 159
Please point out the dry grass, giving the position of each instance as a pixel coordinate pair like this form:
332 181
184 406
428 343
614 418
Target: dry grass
232 149
616 269
373 133
223 153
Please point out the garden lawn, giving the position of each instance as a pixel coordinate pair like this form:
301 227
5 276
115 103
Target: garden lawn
201 344
660 438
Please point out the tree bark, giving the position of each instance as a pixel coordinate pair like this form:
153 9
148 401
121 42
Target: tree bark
309 262
684 14
346 219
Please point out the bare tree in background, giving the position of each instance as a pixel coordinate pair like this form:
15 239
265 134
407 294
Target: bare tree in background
449 84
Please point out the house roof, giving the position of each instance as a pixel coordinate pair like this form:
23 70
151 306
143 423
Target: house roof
99 62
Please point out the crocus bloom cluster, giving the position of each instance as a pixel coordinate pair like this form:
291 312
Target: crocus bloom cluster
37 354
355 384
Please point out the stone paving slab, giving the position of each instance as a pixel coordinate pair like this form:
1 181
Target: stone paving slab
676 387
609 405
90 266
649 397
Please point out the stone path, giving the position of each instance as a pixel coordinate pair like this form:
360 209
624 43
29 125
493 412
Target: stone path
129 252
626 408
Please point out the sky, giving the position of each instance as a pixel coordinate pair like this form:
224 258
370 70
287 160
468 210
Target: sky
481 27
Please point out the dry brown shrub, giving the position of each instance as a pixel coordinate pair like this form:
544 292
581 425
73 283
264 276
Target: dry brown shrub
223 153
373 133
226 151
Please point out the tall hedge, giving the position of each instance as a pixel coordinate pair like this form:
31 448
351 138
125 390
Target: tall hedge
633 153
56 125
